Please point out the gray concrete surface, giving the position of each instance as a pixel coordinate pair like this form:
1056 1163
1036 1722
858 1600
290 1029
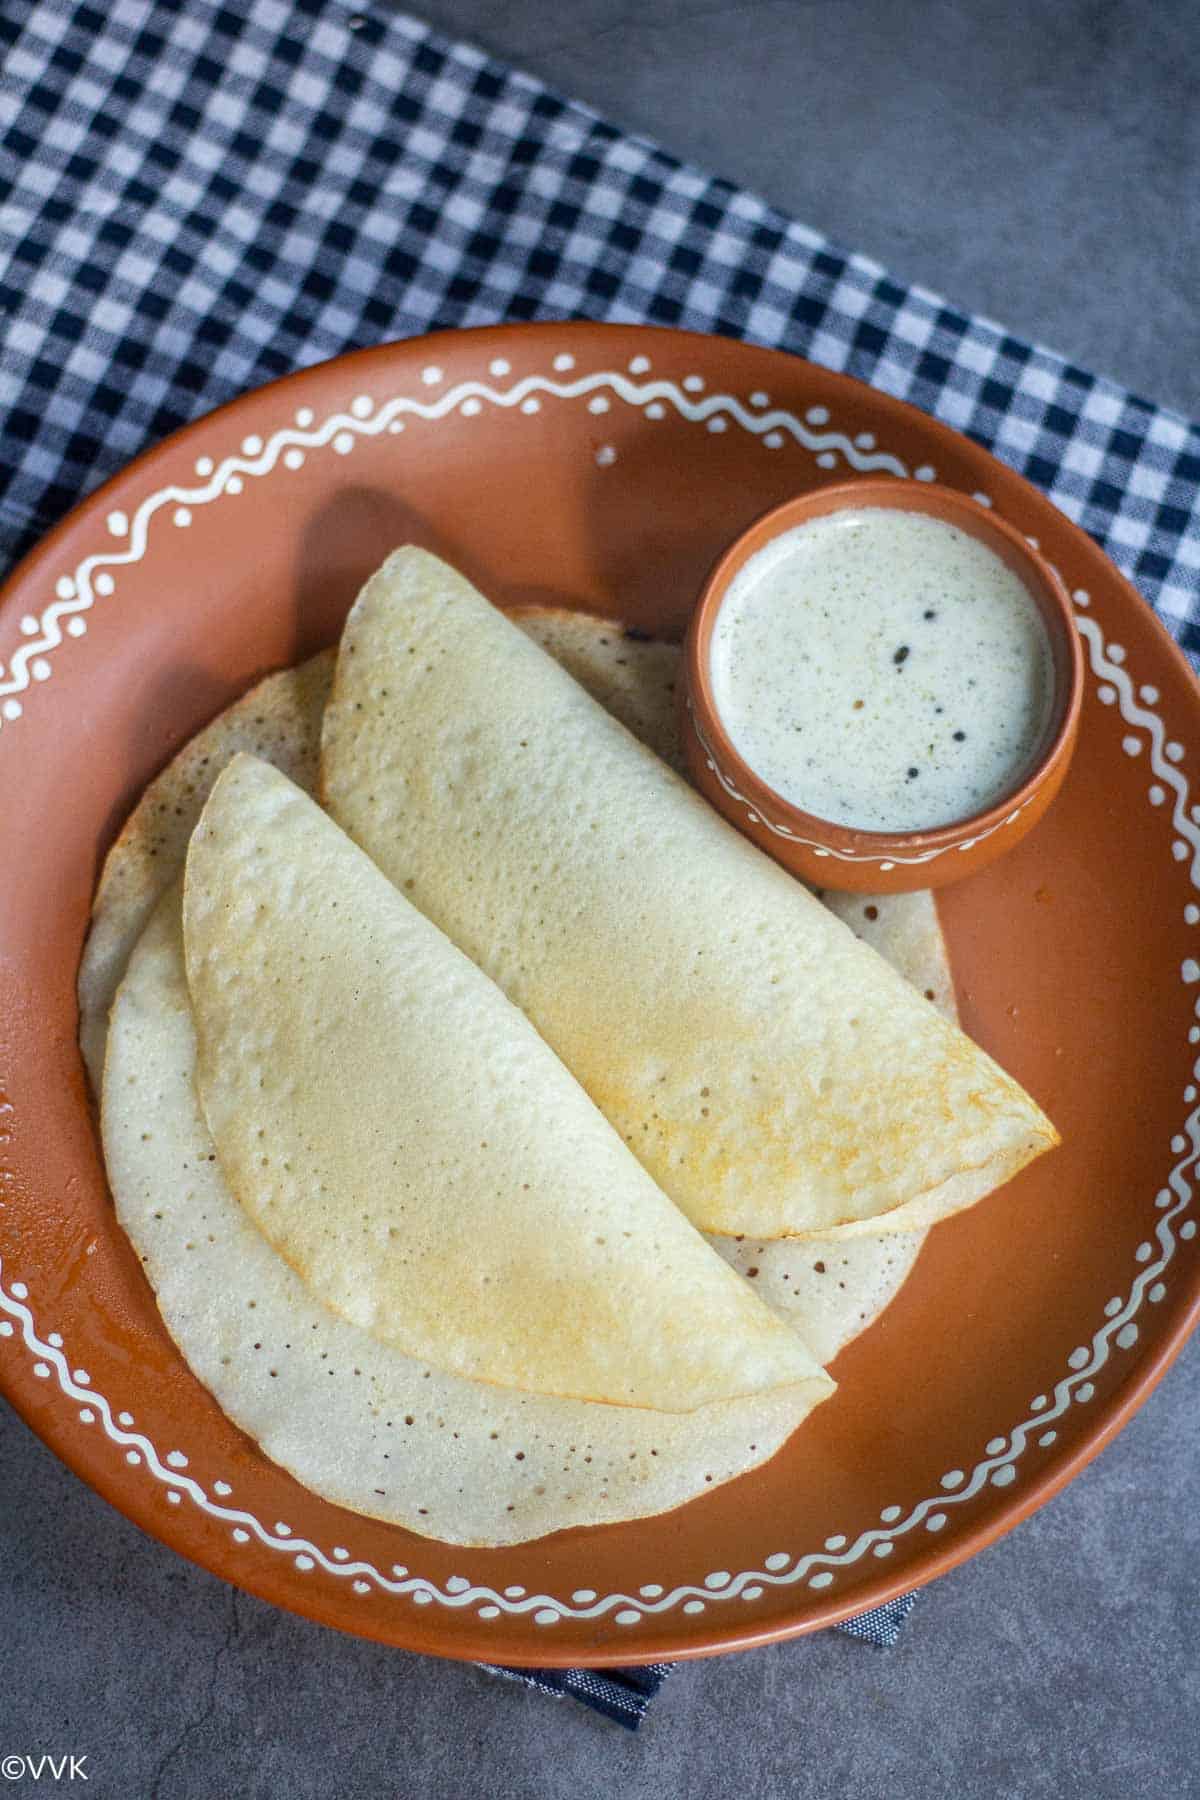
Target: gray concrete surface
1033 160
1059 1665
1039 161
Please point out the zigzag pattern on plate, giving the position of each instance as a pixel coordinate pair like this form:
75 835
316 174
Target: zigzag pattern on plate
77 592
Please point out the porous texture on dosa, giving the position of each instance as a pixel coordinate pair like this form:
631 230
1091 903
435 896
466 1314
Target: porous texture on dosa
413 1149
774 1075
831 1291
633 677
355 1420
636 679
279 720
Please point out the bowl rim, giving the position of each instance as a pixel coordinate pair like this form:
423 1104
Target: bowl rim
935 500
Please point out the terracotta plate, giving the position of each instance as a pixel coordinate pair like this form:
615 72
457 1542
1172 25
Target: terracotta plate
603 467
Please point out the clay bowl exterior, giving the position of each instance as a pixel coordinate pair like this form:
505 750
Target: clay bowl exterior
1032 1325
876 862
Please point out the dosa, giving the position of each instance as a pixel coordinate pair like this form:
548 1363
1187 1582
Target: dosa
404 1139
772 1073
353 1419
831 1289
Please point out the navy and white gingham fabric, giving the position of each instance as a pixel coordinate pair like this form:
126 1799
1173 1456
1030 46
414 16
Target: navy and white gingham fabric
625 1694
199 195
203 194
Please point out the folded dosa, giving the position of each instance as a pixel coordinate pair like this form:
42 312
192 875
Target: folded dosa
632 677
355 1420
829 1290
279 720
408 1143
636 679
774 1075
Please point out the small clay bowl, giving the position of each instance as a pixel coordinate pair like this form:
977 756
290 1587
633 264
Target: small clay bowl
839 856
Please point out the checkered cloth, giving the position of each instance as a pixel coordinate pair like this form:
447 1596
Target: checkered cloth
199 195
625 1694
